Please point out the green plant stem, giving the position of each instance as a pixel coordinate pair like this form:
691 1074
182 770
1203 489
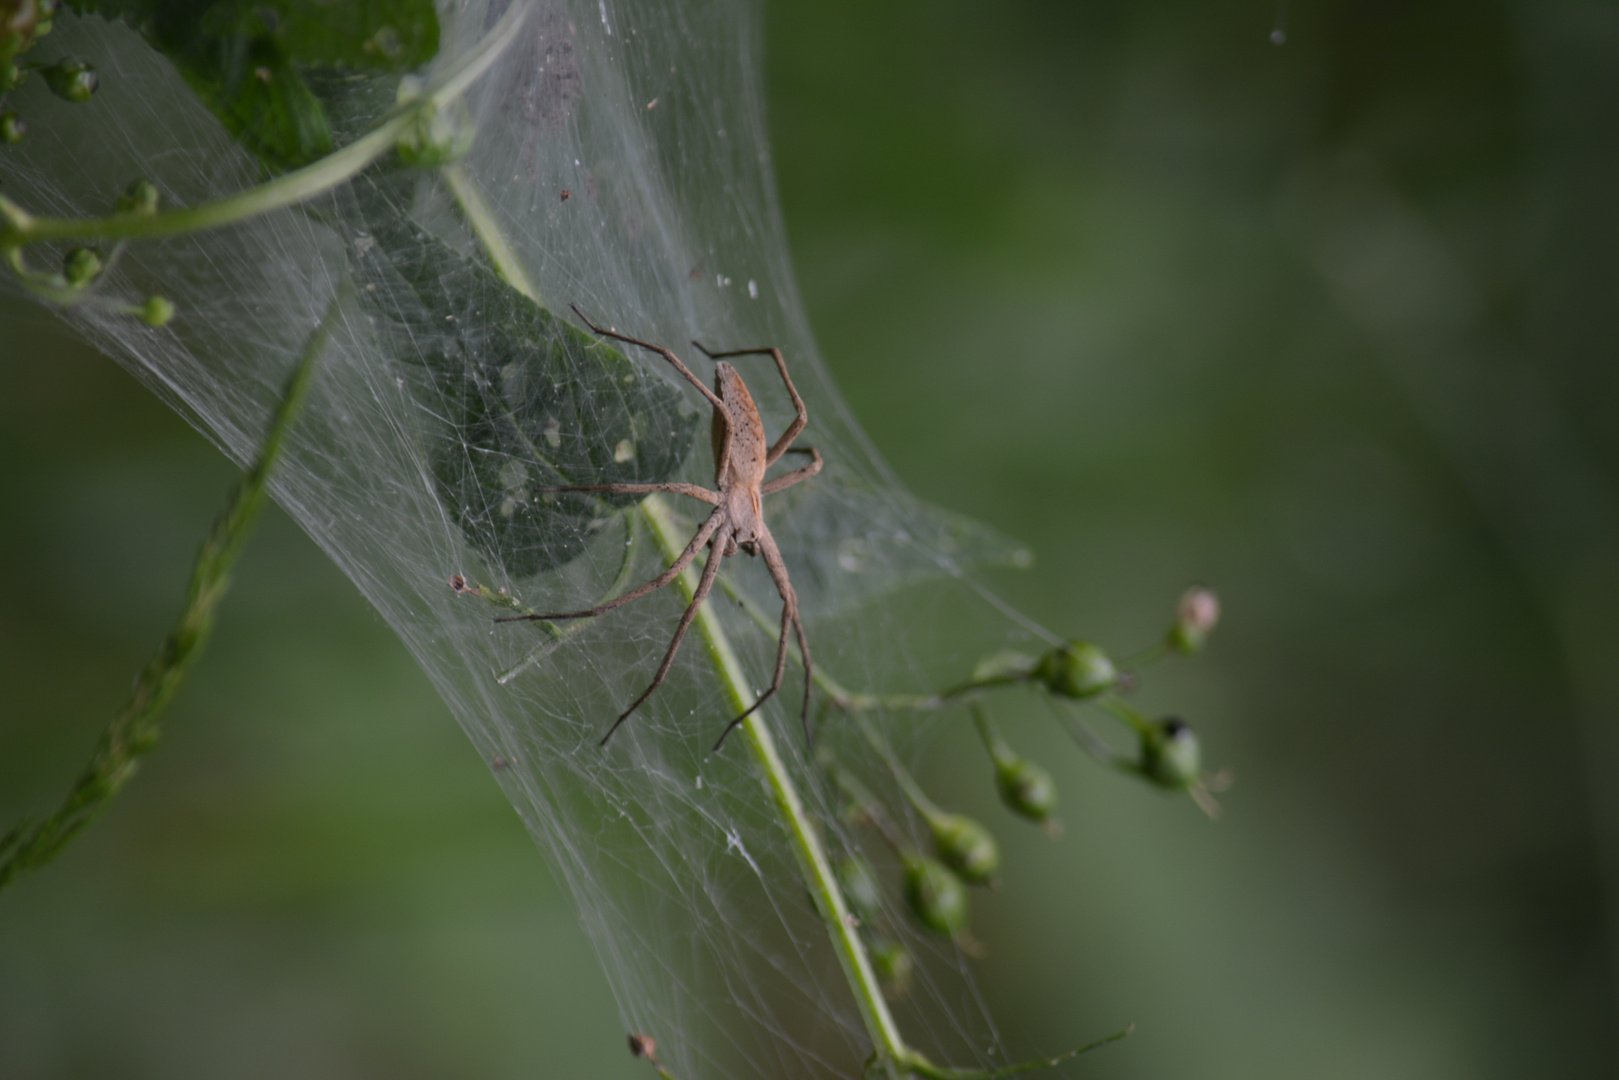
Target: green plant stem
482 220
134 732
812 860
929 1071
987 731
336 168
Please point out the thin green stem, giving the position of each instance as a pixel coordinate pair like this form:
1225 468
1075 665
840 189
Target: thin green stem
134 731
813 863
987 731
482 220
1120 710
902 776
286 190
920 1066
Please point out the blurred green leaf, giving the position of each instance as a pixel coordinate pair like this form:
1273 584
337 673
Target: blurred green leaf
258 65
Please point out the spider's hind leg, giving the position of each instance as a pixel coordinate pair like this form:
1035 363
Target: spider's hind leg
710 571
787 616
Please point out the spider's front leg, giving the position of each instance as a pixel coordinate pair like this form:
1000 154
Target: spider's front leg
702 494
715 520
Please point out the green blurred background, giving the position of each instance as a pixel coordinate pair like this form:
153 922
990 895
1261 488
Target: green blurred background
1329 325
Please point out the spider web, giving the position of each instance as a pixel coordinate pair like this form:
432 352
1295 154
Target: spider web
622 153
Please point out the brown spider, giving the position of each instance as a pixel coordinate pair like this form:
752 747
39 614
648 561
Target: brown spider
740 461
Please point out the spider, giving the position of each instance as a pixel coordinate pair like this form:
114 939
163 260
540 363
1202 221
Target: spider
737 522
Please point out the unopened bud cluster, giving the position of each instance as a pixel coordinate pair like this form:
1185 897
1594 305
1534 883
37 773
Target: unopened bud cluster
22 23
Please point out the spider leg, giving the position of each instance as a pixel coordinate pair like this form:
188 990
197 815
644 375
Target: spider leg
710 570
809 672
802 416
789 619
715 520
787 480
699 493
713 398
775 683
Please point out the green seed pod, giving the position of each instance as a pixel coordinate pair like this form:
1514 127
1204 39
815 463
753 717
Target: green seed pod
1195 619
141 197
860 888
937 897
1026 788
966 847
72 80
13 128
1077 670
1170 756
894 965
80 266
157 311
11 76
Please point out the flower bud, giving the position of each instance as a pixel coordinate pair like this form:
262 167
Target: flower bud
965 847
80 266
860 888
937 897
1169 754
71 80
157 311
141 197
13 128
11 76
1077 670
1195 619
1026 788
893 963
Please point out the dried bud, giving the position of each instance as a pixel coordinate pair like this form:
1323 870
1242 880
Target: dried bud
1195 619
859 886
937 897
1026 788
643 1046
1170 756
71 80
13 128
965 847
141 197
81 265
1077 670
157 311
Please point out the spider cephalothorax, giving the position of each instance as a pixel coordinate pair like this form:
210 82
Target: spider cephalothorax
737 522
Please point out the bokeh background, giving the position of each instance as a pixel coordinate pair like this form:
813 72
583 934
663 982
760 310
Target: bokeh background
1330 325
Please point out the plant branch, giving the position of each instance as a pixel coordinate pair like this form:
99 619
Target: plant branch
134 732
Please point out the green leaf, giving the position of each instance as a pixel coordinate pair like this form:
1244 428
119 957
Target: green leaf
522 399
259 64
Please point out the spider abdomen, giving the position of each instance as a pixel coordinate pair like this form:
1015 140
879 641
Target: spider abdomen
746 467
